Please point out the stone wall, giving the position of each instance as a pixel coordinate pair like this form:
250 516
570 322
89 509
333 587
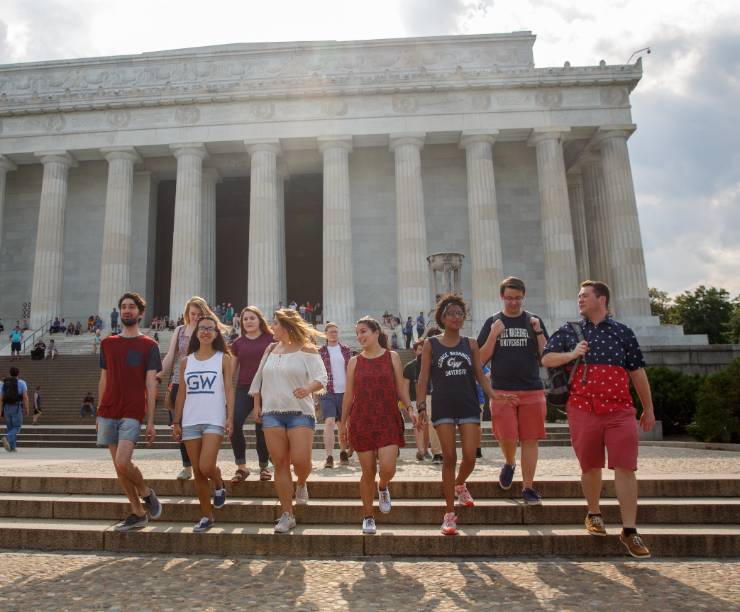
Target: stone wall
692 359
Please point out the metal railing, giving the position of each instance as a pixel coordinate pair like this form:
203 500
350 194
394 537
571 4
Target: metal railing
37 333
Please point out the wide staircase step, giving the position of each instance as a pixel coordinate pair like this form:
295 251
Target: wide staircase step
677 516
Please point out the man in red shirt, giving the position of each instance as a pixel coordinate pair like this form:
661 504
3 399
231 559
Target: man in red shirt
127 390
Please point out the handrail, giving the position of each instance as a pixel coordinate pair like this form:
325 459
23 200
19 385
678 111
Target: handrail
40 330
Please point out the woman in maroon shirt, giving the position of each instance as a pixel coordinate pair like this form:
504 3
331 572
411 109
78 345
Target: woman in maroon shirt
248 348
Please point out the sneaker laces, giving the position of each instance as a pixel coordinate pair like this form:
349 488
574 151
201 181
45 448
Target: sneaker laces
637 540
597 521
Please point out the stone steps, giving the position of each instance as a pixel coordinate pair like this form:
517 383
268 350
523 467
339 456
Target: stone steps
678 517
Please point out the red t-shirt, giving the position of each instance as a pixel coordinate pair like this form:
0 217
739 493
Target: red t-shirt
249 354
126 361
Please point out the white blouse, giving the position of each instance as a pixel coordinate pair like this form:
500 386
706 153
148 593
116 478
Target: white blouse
281 374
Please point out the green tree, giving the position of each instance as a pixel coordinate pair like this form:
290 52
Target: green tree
705 311
661 305
734 325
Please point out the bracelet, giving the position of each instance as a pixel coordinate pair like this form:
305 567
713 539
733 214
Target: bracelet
422 409
177 423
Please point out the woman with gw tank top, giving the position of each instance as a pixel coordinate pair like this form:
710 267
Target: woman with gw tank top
371 420
204 412
195 308
452 362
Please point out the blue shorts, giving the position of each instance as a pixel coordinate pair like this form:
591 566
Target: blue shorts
331 405
195 432
112 431
457 421
287 420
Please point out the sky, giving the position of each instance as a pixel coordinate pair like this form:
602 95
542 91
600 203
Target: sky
685 154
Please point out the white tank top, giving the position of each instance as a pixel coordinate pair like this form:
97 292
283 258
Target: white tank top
205 402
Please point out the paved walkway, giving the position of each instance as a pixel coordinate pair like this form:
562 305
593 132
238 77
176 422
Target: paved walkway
119 582
554 462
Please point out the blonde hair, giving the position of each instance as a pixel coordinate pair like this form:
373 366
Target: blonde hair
264 325
205 311
298 330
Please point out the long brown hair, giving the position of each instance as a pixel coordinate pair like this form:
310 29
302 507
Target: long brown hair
264 325
374 326
218 342
299 331
205 311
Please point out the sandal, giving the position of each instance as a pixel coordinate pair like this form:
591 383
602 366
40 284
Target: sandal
265 474
239 476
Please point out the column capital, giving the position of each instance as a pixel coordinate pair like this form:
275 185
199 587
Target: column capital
546 133
127 153
189 148
472 137
211 174
6 165
59 157
335 142
621 130
271 145
406 138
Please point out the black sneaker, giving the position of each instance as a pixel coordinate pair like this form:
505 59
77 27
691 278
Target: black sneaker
152 504
478 453
437 460
343 458
329 464
131 523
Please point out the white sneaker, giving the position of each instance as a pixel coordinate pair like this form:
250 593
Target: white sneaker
301 494
384 500
285 524
368 526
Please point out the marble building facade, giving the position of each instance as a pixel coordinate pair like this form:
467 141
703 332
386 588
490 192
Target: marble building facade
415 146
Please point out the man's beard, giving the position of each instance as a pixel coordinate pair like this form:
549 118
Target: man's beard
130 322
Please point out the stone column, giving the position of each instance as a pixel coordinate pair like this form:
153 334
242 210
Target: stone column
594 206
411 233
630 295
486 257
338 298
208 234
187 259
263 282
282 176
578 218
115 261
46 294
5 166
561 286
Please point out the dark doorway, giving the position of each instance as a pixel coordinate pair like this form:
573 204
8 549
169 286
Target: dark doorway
303 237
163 248
232 240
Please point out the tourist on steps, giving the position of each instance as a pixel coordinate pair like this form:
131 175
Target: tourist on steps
14 399
37 405
290 371
513 340
335 356
129 363
453 364
600 409
371 420
248 349
195 308
411 374
204 412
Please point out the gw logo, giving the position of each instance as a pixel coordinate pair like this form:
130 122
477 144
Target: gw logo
201 382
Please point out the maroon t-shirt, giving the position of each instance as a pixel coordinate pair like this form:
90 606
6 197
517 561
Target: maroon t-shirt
249 354
126 362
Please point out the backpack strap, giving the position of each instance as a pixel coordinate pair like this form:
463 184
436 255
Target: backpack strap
530 332
576 327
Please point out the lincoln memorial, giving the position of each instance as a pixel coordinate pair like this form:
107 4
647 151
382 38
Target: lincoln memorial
319 171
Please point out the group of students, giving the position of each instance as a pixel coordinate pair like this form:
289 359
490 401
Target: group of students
281 370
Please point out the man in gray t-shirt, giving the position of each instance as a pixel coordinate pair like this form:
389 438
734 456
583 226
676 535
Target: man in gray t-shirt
513 340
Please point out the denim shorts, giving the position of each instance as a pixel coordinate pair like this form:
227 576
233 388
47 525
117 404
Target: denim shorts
195 432
331 405
457 421
287 420
112 431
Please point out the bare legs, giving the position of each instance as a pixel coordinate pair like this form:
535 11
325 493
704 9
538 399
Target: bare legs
203 453
286 446
369 461
625 482
129 476
470 436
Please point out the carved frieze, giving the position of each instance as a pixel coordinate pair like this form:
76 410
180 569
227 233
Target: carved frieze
118 118
187 115
614 96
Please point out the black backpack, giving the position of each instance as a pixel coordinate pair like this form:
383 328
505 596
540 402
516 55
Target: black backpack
11 395
560 379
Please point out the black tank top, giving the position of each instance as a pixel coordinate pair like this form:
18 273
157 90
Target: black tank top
454 394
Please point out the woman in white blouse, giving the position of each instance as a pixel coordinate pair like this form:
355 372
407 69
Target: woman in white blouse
291 370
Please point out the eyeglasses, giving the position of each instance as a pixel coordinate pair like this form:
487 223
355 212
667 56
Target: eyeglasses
459 314
206 330
514 299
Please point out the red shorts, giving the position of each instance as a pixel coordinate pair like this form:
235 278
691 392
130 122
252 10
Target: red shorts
523 419
591 433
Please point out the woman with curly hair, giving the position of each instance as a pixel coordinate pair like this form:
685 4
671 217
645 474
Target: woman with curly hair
291 371
452 362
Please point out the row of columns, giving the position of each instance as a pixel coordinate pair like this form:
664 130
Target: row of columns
589 223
